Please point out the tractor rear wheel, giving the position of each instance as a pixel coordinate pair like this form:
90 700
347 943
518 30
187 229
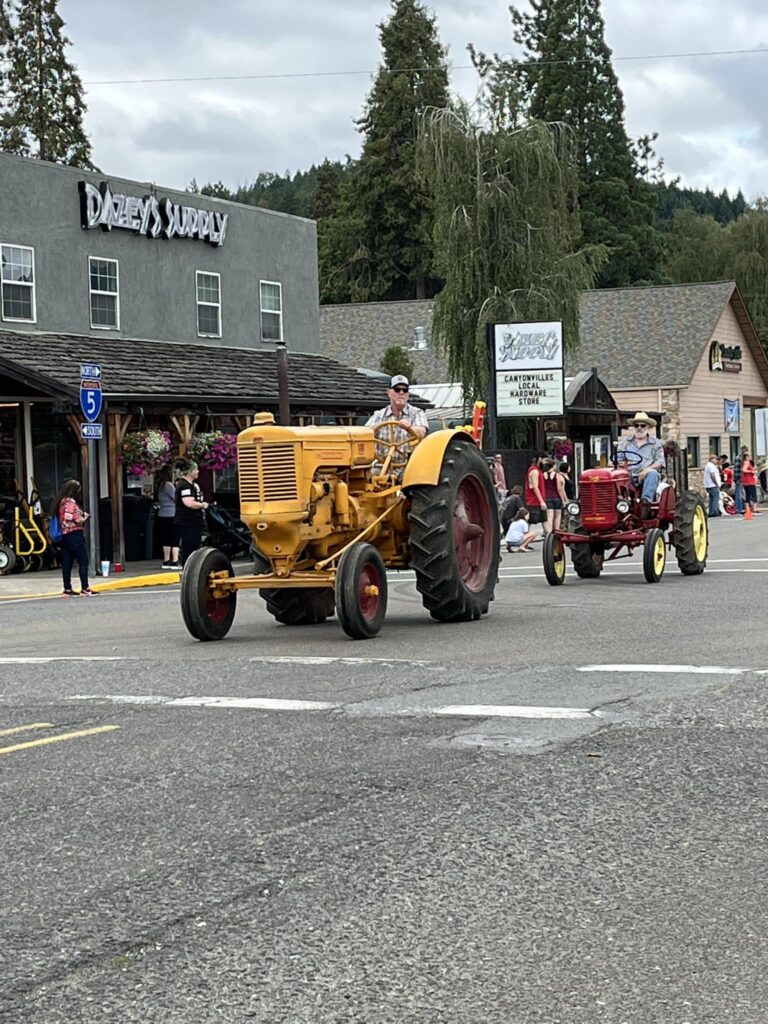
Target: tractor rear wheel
308 606
654 555
206 617
455 537
361 591
553 556
690 535
587 559
7 560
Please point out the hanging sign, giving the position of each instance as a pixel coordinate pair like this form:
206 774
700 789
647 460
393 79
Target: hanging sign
725 358
528 367
147 215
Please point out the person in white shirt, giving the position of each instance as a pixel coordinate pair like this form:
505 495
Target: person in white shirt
712 484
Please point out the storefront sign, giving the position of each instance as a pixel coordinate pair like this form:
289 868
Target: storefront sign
536 393
725 358
148 215
528 367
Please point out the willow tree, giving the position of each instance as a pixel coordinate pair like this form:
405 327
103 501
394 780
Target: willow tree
506 224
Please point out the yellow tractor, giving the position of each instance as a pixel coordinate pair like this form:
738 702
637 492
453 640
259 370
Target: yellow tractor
332 508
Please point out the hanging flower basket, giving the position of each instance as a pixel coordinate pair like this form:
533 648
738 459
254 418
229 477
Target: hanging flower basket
146 451
563 449
671 449
214 450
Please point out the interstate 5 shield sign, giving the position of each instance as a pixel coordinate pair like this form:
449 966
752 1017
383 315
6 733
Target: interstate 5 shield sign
90 399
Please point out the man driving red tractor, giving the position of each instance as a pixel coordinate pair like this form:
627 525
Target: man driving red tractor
645 468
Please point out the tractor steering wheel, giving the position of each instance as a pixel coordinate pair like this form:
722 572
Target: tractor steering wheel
624 456
390 440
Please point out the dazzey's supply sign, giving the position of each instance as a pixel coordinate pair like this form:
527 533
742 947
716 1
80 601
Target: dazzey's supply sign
528 366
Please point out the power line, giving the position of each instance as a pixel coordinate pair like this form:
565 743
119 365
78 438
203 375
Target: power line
394 71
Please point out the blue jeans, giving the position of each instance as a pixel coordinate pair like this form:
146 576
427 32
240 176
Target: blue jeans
738 497
714 500
73 550
650 484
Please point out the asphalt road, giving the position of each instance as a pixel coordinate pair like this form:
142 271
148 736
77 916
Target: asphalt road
555 815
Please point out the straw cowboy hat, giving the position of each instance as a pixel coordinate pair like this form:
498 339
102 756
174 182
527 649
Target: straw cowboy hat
642 417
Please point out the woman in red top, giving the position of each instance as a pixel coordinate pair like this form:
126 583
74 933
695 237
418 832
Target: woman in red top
72 519
749 481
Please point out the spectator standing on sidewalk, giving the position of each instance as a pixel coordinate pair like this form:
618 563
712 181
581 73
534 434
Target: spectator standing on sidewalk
499 479
166 519
554 494
738 492
749 482
67 509
190 507
712 485
533 492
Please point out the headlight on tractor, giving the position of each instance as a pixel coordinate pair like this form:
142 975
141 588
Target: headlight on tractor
622 507
573 508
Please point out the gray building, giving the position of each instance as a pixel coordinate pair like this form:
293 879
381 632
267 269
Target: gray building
89 254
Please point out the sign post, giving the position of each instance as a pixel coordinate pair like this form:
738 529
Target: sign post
91 401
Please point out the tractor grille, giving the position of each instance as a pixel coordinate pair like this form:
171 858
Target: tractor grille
598 504
267 473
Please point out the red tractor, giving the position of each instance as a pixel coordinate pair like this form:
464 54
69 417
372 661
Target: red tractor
610 520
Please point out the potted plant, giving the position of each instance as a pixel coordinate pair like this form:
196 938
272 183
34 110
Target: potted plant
213 450
146 451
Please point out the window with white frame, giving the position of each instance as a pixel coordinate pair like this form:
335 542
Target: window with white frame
17 283
208 304
104 290
271 304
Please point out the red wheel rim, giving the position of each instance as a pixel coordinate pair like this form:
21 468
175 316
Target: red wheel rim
472 532
369 603
217 609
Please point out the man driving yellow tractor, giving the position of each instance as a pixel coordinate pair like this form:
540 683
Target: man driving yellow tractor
412 420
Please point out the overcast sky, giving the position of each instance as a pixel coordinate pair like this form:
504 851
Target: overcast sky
710 111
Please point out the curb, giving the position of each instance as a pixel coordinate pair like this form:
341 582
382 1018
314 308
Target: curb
157 579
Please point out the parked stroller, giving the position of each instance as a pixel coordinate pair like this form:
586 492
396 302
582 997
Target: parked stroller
227 533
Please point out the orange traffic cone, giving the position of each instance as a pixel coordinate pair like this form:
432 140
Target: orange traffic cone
748 514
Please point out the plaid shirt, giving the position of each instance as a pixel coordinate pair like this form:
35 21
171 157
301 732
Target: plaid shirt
410 412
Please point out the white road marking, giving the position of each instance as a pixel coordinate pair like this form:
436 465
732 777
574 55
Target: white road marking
46 661
696 670
311 659
280 704
509 711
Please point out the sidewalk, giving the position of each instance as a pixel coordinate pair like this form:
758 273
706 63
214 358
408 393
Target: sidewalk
48 582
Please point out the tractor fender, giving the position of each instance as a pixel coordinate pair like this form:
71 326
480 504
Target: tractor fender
423 467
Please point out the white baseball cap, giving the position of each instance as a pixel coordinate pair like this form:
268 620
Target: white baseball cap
399 380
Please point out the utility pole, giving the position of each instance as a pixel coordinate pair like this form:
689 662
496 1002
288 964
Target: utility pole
282 383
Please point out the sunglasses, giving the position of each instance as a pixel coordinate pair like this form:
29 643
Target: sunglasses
401 391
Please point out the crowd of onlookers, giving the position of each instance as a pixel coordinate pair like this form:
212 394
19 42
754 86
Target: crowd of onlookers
733 489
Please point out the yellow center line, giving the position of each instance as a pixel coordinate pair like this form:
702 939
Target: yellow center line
58 739
27 728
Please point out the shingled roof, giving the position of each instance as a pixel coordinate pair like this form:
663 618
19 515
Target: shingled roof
655 336
148 371
358 333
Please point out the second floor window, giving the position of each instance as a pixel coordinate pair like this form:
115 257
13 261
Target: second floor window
208 304
271 302
104 293
17 282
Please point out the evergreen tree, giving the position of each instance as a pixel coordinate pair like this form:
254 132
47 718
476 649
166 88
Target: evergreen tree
506 225
44 116
395 359
696 249
568 77
394 250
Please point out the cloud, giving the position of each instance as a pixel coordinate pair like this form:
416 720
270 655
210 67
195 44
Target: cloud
709 112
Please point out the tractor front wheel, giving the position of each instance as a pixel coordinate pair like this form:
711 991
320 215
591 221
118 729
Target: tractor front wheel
654 556
690 535
553 555
455 537
304 606
587 558
205 616
361 591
